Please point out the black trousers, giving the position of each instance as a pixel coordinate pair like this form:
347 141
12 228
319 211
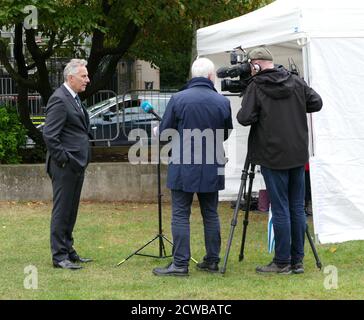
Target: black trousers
67 186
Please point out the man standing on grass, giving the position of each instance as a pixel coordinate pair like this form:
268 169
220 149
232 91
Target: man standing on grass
196 111
275 105
66 134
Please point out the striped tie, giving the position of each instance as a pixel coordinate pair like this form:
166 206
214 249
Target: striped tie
79 103
78 100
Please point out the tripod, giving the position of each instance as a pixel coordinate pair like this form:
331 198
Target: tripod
160 236
247 197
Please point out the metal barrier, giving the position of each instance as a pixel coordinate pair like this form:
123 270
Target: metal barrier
7 85
55 65
103 109
35 103
114 118
9 96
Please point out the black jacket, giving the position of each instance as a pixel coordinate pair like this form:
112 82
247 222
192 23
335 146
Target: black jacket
275 105
66 131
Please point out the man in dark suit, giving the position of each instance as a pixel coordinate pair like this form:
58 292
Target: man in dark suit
201 120
66 134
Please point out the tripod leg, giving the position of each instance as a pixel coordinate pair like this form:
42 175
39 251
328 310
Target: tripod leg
169 241
159 236
136 252
318 262
247 209
162 248
163 255
235 215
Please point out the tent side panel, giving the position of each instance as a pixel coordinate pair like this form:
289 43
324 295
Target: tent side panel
337 168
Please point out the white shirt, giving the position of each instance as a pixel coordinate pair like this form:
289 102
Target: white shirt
74 94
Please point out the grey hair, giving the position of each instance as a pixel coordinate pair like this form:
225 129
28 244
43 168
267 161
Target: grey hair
72 67
202 67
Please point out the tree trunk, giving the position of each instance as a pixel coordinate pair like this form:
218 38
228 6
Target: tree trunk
194 45
24 114
23 107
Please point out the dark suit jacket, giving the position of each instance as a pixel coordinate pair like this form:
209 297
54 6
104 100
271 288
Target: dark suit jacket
66 131
199 107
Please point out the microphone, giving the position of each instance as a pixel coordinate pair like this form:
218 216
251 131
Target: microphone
148 108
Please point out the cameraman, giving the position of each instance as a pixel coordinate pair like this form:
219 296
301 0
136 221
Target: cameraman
275 105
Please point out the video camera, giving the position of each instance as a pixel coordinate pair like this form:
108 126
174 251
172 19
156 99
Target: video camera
240 68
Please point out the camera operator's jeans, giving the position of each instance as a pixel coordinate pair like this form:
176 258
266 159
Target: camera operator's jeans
181 211
286 189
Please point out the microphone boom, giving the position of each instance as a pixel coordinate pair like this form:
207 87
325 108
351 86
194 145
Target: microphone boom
148 108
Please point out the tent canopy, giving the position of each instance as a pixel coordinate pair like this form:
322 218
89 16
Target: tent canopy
284 20
326 38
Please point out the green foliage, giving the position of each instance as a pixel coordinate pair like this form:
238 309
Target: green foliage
105 31
167 39
174 69
167 27
12 135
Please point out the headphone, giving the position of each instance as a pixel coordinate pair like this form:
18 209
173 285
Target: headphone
255 66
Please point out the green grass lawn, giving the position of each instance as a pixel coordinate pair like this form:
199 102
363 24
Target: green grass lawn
109 232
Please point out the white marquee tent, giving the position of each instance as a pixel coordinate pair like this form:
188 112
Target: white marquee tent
325 38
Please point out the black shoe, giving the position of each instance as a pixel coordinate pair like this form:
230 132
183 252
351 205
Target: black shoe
275 268
298 268
66 264
171 270
79 259
210 267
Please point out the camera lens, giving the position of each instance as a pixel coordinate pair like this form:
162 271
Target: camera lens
234 86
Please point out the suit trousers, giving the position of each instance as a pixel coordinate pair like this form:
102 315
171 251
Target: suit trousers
67 186
181 211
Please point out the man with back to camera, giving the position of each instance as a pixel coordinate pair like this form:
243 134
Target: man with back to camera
66 135
197 108
275 105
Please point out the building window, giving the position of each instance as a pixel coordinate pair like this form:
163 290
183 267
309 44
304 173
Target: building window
148 85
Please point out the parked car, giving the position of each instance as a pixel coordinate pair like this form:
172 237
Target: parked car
112 120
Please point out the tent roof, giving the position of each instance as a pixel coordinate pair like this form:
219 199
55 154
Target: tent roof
284 20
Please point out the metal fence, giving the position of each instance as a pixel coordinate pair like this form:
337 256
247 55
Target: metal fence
112 116
114 120
9 89
118 120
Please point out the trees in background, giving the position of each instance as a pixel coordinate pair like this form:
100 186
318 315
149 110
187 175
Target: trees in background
103 32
